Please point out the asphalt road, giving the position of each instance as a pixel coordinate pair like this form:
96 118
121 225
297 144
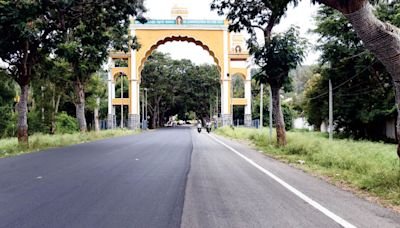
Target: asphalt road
172 178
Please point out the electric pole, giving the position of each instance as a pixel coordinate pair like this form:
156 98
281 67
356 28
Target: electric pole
232 123
270 113
261 106
122 104
330 111
143 110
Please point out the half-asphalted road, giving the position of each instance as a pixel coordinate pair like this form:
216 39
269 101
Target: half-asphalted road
172 178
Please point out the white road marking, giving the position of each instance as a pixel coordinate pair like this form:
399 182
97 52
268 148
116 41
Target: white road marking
307 199
39 177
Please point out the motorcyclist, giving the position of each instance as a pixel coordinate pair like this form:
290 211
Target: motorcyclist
208 126
199 126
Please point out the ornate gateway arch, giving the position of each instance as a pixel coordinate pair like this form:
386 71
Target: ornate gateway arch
228 51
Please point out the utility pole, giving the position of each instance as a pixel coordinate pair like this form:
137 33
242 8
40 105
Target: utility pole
143 110
122 104
232 123
217 111
270 112
42 89
145 89
210 109
330 111
216 106
261 106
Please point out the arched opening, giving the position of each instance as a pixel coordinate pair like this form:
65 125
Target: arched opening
192 88
121 86
121 93
238 91
180 39
238 86
179 20
238 49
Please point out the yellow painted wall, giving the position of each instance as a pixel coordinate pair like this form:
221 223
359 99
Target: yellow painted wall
119 101
239 101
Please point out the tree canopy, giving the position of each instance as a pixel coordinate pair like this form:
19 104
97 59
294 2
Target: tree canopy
363 93
178 87
275 54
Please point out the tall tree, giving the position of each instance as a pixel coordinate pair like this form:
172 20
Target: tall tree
33 29
263 15
96 92
379 37
90 28
364 97
51 88
7 95
178 87
27 29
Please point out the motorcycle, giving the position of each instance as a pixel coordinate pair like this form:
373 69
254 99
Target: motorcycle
199 127
208 127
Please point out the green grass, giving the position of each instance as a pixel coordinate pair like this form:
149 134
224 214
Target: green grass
369 166
9 146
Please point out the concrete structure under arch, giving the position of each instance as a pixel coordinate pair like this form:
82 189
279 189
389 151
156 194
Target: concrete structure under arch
212 36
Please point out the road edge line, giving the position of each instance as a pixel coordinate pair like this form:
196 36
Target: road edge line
292 189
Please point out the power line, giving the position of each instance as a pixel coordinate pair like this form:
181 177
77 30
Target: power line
343 83
358 93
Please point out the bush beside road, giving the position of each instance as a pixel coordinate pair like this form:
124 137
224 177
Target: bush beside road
364 167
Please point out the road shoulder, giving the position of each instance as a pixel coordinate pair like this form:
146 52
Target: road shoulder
342 202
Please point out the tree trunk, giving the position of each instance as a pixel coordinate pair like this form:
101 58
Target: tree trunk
383 40
23 115
96 115
278 116
56 104
153 122
80 105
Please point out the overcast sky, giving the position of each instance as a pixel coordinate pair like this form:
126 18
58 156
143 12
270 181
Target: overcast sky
301 16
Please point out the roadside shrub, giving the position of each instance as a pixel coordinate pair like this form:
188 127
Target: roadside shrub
288 115
35 122
66 124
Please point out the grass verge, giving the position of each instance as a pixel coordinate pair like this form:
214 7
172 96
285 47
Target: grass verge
368 168
9 146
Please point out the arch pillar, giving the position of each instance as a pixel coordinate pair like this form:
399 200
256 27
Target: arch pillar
226 112
111 96
247 108
134 89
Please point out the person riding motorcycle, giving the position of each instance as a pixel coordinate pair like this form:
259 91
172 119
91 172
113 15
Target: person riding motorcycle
199 126
208 126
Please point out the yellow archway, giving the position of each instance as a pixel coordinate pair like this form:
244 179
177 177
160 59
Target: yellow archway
212 35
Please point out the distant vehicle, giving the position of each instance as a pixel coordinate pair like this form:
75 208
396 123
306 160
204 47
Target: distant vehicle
199 127
169 124
208 127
